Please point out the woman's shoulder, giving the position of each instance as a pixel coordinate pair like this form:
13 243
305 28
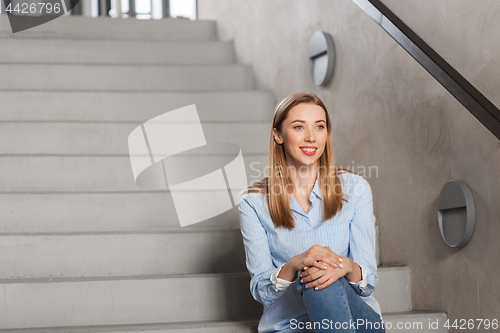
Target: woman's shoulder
352 182
349 176
251 197
255 192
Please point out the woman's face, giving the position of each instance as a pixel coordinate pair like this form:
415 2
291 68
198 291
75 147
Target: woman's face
304 126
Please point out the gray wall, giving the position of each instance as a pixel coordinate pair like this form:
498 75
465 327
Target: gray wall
388 112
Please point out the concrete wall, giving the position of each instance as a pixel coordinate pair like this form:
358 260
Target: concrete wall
390 113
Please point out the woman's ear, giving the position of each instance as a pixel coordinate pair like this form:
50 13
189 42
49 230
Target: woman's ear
277 136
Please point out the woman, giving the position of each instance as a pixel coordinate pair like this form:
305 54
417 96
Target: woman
315 270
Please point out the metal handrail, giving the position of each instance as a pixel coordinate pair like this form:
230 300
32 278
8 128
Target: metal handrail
473 100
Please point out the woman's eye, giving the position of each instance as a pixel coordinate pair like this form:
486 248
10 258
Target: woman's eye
321 126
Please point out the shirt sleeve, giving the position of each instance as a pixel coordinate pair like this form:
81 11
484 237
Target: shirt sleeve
258 255
362 238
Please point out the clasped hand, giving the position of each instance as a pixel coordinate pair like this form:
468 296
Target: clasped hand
321 267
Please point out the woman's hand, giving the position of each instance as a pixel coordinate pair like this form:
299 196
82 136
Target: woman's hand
317 256
323 278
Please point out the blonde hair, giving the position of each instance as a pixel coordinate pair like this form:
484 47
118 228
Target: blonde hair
279 207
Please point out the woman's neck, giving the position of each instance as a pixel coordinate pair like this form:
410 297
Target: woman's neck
303 178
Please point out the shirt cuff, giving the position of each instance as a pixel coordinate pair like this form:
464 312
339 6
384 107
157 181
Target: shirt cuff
280 284
363 281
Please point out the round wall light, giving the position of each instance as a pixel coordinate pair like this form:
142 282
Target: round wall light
456 214
321 58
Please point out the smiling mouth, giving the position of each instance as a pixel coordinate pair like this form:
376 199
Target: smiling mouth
309 151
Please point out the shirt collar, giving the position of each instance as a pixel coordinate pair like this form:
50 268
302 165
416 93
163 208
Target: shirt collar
315 189
315 192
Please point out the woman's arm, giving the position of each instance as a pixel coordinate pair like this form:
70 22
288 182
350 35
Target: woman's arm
288 271
354 275
259 261
362 238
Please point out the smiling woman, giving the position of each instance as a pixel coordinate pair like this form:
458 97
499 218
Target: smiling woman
310 219
304 127
304 137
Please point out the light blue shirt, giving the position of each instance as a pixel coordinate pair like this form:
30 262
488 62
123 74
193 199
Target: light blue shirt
351 233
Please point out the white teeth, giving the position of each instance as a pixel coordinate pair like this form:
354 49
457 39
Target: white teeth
309 149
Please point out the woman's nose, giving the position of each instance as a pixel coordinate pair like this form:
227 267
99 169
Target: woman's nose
310 136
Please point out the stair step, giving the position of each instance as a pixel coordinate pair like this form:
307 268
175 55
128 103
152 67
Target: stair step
80 27
97 212
90 138
86 255
125 77
209 326
412 320
65 51
393 291
129 300
32 173
30 303
176 251
243 106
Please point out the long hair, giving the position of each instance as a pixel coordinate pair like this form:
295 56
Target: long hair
273 186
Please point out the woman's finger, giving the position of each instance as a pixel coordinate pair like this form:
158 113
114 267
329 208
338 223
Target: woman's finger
325 254
326 283
320 265
320 253
315 263
314 258
333 259
309 272
312 276
330 260
337 261
319 281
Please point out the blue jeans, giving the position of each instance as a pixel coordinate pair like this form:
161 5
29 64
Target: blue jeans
339 308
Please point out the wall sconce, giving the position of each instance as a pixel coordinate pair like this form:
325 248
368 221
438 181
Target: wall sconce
321 58
456 214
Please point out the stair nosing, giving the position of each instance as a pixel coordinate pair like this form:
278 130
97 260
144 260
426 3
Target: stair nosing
152 41
205 122
234 64
183 230
90 155
127 91
142 326
136 277
414 312
151 91
121 278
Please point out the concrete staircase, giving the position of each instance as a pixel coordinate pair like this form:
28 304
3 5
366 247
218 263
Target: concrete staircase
82 248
